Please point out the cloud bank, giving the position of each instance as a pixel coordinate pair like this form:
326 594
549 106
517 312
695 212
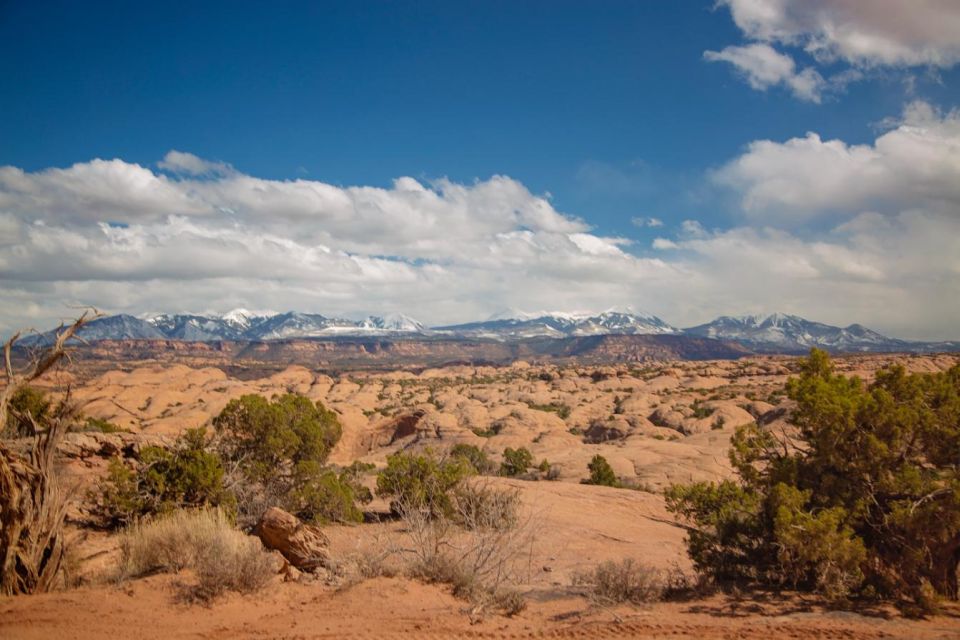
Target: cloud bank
836 232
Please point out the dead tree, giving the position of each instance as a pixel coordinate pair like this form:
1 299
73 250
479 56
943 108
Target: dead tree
32 503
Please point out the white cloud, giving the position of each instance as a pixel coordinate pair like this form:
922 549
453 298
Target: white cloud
874 33
664 244
917 163
764 67
449 252
876 36
646 222
117 235
900 274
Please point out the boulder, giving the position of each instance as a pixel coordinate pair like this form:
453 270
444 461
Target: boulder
303 545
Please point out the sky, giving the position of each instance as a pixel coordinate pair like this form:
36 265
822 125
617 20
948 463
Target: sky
455 161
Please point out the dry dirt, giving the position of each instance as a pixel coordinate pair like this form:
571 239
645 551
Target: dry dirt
656 424
394 607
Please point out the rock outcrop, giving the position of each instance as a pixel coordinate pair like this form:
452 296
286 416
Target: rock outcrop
303 545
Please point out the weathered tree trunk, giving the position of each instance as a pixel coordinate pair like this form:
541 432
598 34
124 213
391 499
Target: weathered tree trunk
944 576
32 509
32 504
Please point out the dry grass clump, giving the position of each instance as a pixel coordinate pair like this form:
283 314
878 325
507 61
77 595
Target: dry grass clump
625 581
203 540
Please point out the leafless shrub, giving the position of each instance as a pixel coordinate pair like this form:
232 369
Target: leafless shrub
204 540
482 550
373 560
625 581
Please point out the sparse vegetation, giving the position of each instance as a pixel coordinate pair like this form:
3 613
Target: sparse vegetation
280 448
27 407
516 462
101 426
187 475
601 473
701 411
423 481
476 457
562 410
478 550
322 495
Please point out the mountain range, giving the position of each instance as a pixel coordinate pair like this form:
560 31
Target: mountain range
774 333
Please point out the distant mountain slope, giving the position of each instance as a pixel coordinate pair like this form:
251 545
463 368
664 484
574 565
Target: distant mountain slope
118 327
558 325
239 324
782 333
775 333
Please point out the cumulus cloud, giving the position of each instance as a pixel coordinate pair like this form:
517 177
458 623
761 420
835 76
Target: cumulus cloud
118 235
863 36
900 273
765 67
128 239
915 163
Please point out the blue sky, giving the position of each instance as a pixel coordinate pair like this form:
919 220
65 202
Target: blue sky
610 113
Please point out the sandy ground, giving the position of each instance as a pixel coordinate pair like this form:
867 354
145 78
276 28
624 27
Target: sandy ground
576 526
395 607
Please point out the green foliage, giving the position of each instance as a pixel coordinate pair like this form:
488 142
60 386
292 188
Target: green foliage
864 499
26 404
562 410
321 495
273 437
817 546
188 475
102 426
423 481
281 447
475 456
601 472
516 462
701 411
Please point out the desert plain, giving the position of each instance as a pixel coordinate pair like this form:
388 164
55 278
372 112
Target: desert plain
656 423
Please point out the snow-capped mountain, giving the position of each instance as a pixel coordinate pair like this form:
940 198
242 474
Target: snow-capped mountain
195 328
558 324
774 333
393 322
118 327
243 319
784 333
239 324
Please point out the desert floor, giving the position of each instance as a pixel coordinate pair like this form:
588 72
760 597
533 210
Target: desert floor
656 424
